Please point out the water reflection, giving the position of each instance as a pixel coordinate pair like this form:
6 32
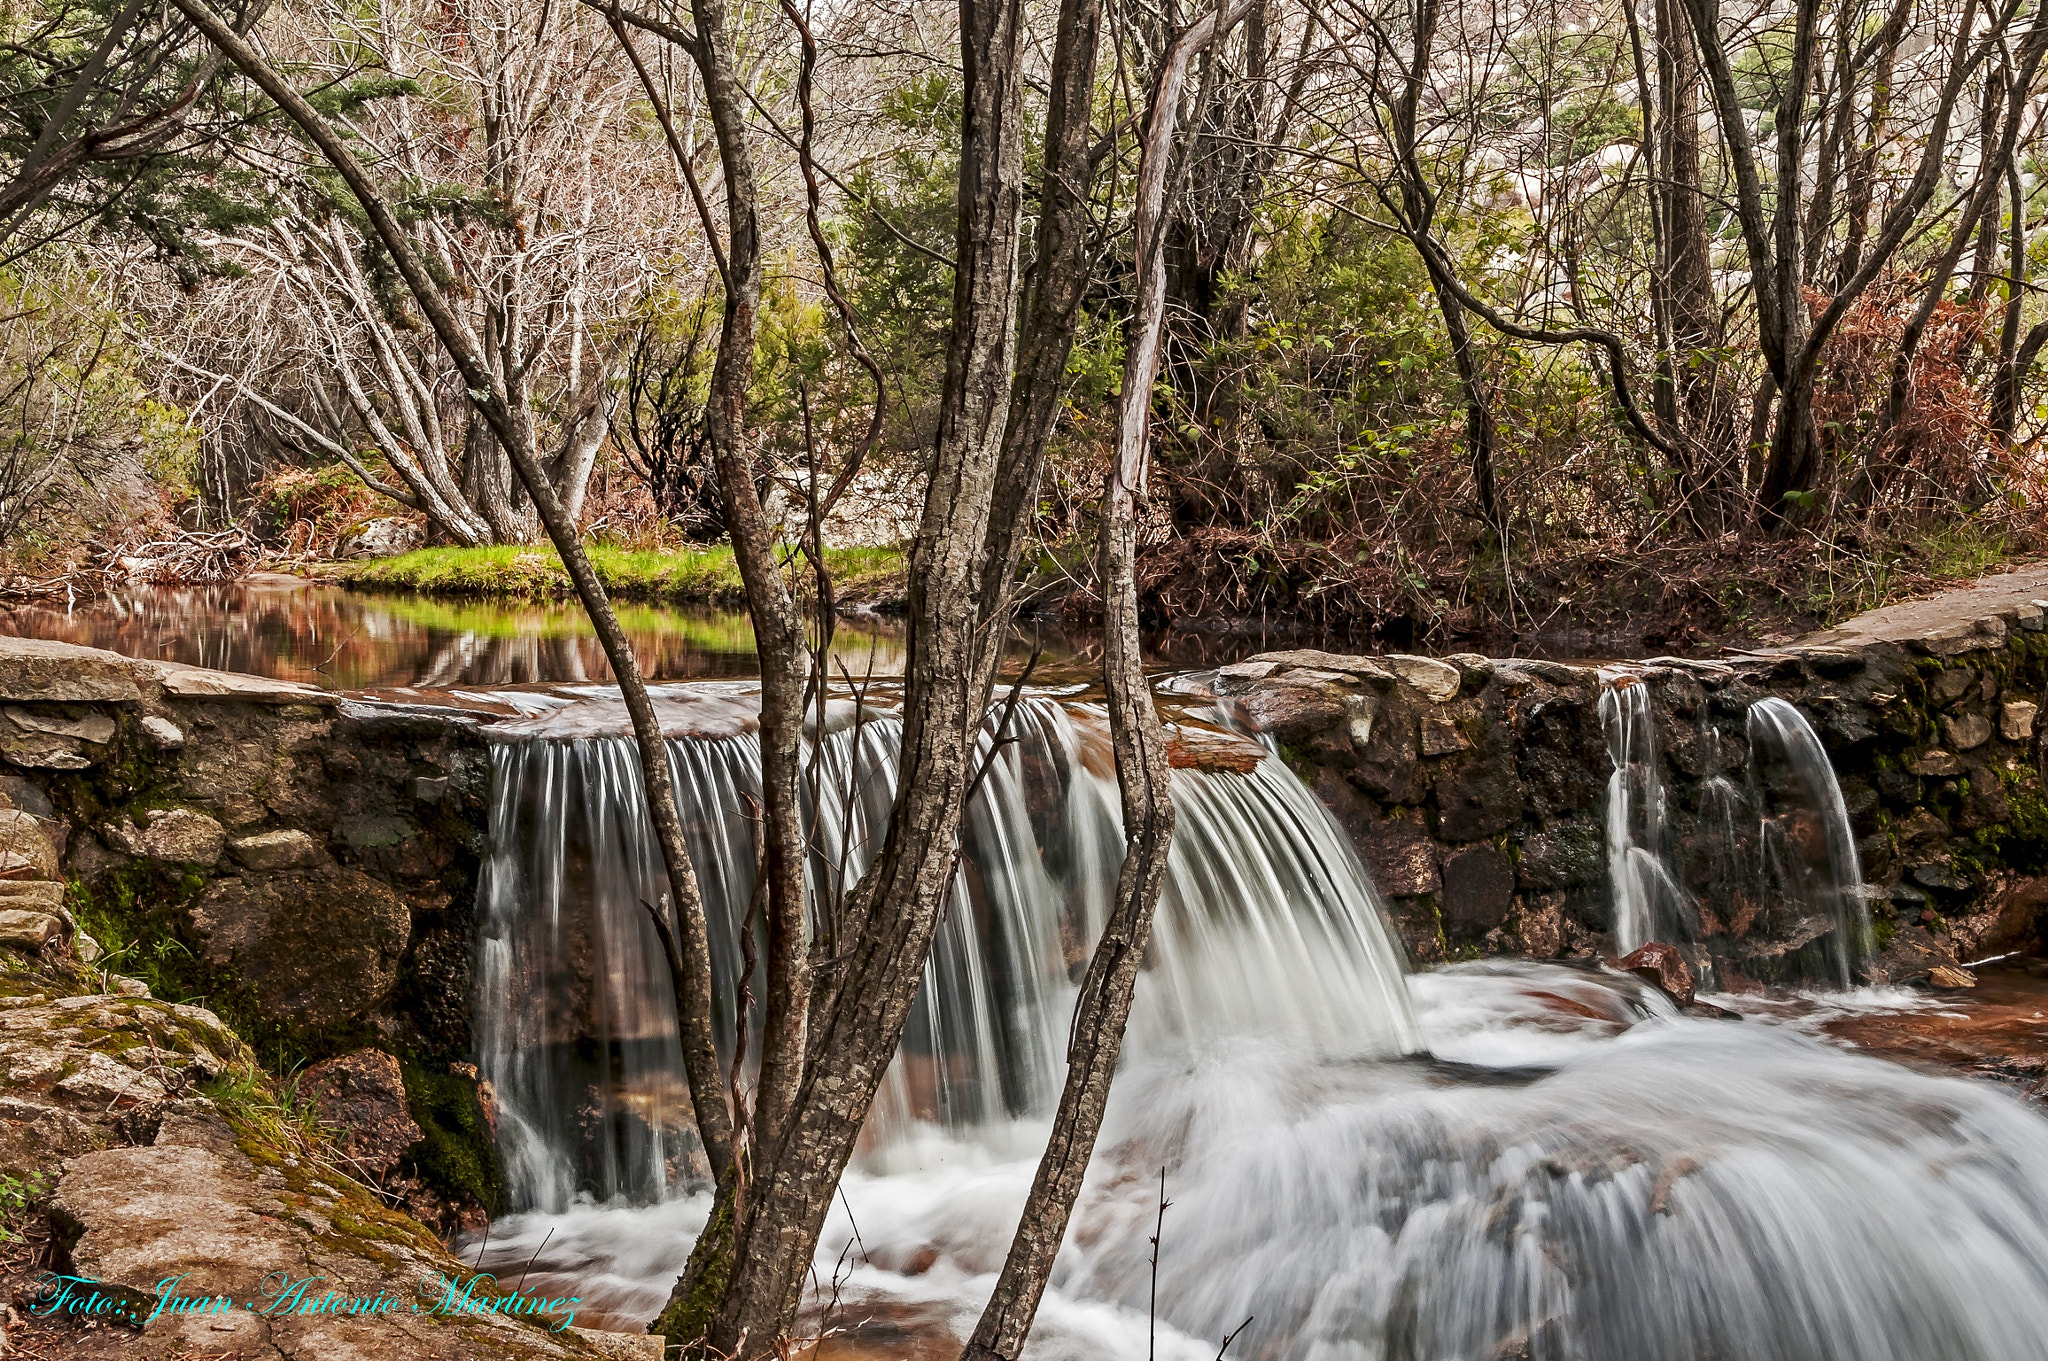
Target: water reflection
287 627
292 629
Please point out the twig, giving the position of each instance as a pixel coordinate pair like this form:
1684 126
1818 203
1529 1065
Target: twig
1152 1305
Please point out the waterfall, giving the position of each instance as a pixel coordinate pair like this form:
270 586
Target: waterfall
1268 926
1811 875
1649 904
1775 856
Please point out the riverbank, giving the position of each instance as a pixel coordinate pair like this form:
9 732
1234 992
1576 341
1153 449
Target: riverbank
871 578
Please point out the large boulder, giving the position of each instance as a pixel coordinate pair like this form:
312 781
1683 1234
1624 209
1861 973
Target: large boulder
316 948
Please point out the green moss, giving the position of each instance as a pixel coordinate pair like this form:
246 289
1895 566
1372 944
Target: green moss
136 913
456 1154
697 576
686 1318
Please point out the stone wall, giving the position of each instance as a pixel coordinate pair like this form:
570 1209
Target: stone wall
1476 789
305 864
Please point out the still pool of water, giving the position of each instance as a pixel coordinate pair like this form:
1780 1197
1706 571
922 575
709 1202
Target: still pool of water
293 629
290 628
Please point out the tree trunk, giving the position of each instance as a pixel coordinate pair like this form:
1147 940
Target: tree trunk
1143 779
860 1005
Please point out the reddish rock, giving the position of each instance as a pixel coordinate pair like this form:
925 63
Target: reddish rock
1663 965
363 1096
1401 857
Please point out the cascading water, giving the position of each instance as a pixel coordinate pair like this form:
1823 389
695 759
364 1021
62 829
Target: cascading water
1775 857
1267 925
1649 904
1807 849
1582 1172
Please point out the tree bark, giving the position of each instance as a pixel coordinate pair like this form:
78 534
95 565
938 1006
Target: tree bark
862 1000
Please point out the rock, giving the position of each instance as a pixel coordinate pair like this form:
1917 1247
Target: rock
282 850
194 1207
317 948
161 731
34 895
1537 925
375 833
85 947
1966 731
1436 680
1942 976
1934 763
36 671
197 682
1952 684
1401 858
175 836
49 742
384 537
363 1096
28 930
2016 720
16 792
1293 713
1953 640
1441 737
1309 659
1662 965
625 1346
1564 855
1482 797
25 853
1479 888
1189 746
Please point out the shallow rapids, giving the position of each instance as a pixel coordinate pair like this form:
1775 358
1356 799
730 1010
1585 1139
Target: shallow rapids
1577 1172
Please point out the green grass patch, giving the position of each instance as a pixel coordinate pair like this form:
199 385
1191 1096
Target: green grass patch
707 576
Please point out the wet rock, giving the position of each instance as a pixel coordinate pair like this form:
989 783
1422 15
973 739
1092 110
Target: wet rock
1942 976
1189 746
1478 889
25 853
1292 713
317 948
1564 855
1934 763
363 1096
1483 797
2016 720
1662 965
1966 731
1401 857
1921 830
1536 925
282 850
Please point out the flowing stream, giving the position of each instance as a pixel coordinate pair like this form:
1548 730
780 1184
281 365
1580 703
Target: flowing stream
1488 1160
